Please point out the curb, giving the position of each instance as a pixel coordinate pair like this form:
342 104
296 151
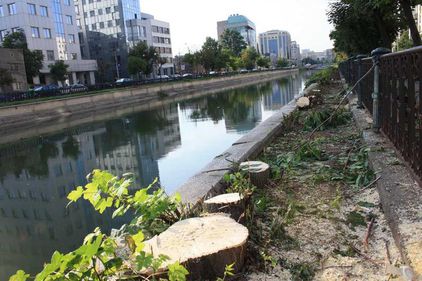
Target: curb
400 194
209 181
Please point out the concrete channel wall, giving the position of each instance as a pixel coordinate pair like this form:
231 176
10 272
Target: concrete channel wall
26 120
209 181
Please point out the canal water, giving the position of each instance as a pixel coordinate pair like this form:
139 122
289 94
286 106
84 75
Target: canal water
171 143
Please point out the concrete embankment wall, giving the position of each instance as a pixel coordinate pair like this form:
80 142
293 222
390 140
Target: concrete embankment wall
26 120
209 181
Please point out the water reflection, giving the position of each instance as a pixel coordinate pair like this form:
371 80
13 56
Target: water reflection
170 143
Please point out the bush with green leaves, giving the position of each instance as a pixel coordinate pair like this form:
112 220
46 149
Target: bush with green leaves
321 77
120 256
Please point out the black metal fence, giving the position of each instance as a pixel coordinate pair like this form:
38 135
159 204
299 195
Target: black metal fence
400 103
67 91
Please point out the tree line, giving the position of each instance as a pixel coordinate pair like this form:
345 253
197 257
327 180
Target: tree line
360 26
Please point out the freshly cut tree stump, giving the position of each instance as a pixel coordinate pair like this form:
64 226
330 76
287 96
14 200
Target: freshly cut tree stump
303 102
204 245
259 172
229 203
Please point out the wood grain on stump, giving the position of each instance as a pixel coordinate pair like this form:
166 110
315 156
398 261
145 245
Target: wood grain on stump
259 172
303 102
204 245
229 203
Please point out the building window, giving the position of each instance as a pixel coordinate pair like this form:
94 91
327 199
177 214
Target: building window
91 13
43 11
35 32
101 24
32 9
108 10
77 10
47 33
2 34
50 55
71 38
74 56
78 22
12 9
67 2
1 11
100 11
16 29
110 23
69 19
94 26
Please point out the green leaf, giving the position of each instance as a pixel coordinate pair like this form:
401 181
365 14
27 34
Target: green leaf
143 260
20 275
138 239
177 272
75 194
141 196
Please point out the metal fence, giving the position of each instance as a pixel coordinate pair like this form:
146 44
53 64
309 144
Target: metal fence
68 91
400 103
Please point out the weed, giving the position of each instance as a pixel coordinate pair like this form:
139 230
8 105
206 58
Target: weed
322 77
316 118
302 272
359 174
355 219
239 183
348 252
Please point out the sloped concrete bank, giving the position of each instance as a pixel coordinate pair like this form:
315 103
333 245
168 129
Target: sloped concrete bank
209 181
23 121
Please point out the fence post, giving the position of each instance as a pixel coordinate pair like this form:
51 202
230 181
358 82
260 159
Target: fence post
376 114
359 89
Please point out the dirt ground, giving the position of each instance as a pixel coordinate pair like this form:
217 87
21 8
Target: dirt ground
311 221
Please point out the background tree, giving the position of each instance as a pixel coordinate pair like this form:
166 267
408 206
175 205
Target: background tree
263 61
233 41
33 59
58 71
249 57
282 62
407 10
404 42
147 54
209 54
136 65
6 78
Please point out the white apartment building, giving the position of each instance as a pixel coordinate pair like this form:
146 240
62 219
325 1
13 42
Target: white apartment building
49 26
295 51
155 33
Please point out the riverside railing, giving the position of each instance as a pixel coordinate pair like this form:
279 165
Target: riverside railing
54 91
394 91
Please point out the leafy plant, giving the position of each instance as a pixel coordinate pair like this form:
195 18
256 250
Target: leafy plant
359 173
122 255
316 119
322 77
239 183
228 271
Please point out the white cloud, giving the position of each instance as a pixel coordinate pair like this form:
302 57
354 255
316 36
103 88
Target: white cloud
193 20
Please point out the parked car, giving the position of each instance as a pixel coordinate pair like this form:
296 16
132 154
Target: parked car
78 88
243 70
176 76
163 76
123 81
212 73
49 87
187 75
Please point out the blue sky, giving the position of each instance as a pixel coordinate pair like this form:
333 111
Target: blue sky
193 20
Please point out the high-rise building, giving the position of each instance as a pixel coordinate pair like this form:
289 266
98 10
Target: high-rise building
241 24
275 43
155 33
295 51
103 33
50 27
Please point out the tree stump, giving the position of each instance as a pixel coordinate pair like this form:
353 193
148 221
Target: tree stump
204 245
259 172
229 203
303 102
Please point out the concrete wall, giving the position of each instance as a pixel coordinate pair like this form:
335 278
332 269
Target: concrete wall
26 120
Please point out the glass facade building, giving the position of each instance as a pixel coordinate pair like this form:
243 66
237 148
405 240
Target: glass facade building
103 34
275 43
241 24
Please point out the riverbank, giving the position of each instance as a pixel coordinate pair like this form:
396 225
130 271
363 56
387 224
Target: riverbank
327 212
38 118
